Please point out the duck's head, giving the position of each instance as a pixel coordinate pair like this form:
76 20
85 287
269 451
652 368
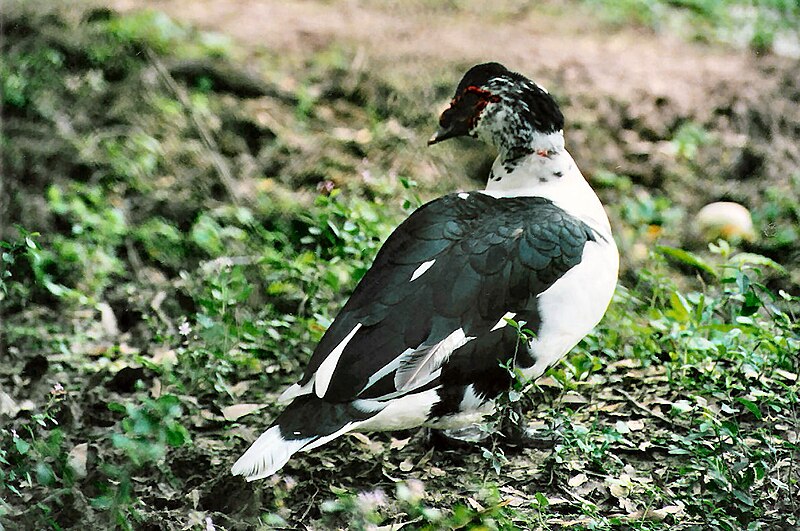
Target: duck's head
500 107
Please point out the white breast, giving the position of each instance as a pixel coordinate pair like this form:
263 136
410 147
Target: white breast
573 305
576 302
555 177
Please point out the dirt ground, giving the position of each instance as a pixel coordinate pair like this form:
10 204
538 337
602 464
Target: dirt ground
626 89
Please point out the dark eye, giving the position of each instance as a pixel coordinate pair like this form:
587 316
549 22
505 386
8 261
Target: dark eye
471 99
463 108
447 117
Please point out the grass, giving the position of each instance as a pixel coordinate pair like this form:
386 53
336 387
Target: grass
761 25
149 306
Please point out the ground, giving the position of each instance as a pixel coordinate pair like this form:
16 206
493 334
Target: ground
189 194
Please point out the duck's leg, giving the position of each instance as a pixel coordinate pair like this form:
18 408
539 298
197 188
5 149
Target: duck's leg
516 433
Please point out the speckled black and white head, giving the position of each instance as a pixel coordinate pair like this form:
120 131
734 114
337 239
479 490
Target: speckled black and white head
503 108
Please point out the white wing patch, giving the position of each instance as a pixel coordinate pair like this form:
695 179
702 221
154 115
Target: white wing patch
295 390
502 322
322 378
421 269
417 365
405 412
368 405
386 369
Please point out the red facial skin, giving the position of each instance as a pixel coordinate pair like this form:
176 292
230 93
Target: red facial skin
484 98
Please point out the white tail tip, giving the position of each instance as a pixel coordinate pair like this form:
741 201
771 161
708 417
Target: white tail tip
267 455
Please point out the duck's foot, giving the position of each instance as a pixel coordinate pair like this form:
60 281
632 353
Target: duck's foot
463 439
511 432
522 437
516 434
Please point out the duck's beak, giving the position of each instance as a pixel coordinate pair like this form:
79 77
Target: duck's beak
443 133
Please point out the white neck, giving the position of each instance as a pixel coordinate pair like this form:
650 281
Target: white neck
554 176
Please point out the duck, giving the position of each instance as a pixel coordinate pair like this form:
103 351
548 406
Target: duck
432 334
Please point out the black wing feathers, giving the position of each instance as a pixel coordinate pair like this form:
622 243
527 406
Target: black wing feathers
491 256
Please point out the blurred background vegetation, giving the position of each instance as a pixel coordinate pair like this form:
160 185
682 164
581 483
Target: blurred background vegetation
191 189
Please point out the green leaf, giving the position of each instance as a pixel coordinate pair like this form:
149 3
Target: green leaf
731 428
743 497
751 406
22 445
680 306
116 406
44 474
699 343
742 259
687 258
102 502
542 500
177 436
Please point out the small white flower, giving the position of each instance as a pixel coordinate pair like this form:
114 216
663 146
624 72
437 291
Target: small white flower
416 487
185 329
370 500
210 524
412 491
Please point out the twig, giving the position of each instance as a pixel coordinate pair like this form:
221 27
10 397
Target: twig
576 496
644 408
310 504
225 175
134 258
155 305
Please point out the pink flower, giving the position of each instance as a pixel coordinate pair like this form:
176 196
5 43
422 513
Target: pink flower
325 187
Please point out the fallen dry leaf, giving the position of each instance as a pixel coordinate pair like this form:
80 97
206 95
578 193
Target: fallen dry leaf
786 375
164 356
8 405
360 437
76 459
548 381
399 444
635 425
107 319
240 388
574 398
435 471
577 480
238 411
371 446
655 514
474 504
391 527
